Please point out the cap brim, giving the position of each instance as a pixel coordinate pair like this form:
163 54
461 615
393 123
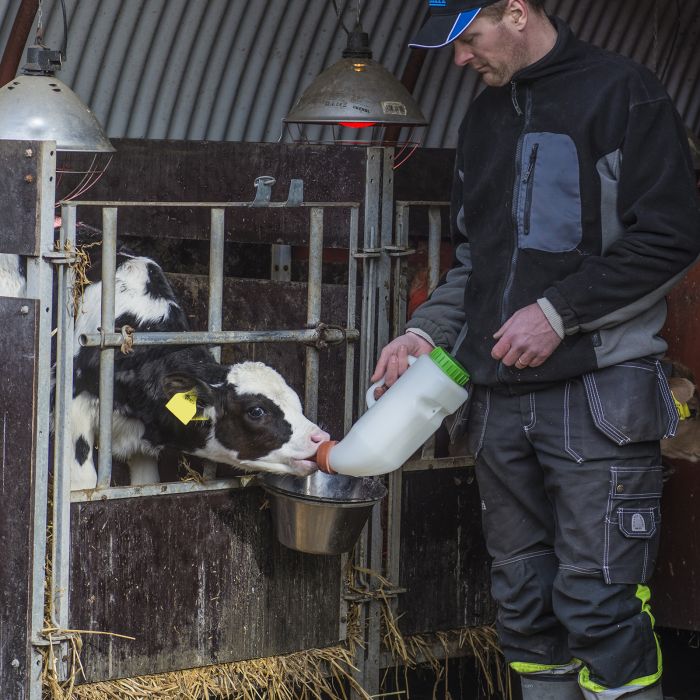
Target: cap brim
441 30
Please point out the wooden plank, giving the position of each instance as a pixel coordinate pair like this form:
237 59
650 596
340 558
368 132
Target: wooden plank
203 171
444 564
17 387
19 179
198 579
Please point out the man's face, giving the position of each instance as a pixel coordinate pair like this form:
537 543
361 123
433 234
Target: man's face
494 49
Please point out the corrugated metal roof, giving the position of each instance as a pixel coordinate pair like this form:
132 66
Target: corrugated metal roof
231 69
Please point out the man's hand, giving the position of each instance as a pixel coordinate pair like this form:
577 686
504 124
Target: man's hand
526 339
393 360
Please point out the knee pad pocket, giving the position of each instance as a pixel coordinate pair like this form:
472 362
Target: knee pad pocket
632 523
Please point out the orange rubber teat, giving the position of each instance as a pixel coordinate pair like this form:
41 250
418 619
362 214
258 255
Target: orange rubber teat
323 455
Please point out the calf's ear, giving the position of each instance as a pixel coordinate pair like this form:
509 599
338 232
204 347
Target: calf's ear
683 389
182 383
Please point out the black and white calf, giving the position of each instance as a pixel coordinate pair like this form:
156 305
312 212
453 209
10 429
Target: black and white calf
247 414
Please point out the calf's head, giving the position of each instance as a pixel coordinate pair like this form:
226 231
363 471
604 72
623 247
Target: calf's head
254 419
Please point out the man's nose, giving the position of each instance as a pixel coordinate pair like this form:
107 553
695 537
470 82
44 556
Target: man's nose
462 55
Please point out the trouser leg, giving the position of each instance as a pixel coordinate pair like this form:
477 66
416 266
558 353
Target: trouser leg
569 565
519 529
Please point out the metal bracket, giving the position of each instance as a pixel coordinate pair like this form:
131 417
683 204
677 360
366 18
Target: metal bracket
368 253
295 198
398 251
263 190
330 334
60 257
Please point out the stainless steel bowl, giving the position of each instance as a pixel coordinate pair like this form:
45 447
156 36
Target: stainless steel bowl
321 513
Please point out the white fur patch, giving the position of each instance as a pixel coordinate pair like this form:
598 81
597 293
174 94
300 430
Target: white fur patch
12 282
130 296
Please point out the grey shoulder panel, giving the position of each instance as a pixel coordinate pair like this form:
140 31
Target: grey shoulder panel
612 228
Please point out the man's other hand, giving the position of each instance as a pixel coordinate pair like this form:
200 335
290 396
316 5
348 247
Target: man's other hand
393 360
526 339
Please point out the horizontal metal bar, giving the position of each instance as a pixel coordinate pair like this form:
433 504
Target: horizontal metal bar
309 335
208 205
421 204
420 465
366 597
163 489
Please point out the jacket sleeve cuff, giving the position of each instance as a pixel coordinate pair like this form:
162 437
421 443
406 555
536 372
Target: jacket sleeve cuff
421 334
552 316
434 333
564 311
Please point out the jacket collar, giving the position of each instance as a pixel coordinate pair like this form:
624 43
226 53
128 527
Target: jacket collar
559 57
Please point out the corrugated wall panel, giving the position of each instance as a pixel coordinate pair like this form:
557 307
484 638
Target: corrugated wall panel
231 69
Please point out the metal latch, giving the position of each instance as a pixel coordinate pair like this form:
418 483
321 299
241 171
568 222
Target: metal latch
398 251
61 257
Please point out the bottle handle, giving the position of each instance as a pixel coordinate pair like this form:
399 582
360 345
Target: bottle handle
369 396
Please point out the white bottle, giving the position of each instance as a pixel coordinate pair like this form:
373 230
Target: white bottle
401 420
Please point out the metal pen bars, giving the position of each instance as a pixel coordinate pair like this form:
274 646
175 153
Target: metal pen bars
316 334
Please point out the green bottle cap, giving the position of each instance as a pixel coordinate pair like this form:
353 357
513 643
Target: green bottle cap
450 366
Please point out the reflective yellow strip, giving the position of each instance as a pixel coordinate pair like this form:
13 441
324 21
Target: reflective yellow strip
523 667
584 678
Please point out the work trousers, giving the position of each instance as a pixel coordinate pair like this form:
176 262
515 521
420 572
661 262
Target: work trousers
570 481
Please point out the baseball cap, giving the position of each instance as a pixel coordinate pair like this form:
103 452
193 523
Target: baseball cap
447 19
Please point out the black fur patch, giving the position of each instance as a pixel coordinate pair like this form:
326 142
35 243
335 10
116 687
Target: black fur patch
251 437
82 450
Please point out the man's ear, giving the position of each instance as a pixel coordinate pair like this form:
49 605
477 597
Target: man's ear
517 12
182 383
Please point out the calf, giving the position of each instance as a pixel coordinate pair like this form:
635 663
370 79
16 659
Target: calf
686 442
247 416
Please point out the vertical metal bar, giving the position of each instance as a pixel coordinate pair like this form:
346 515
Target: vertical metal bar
434 236
63 447
39 286
383 277
370 241
395 479
399 282
313 310
109 264
369 268
386 239
216 275
349 380
281 264
352 313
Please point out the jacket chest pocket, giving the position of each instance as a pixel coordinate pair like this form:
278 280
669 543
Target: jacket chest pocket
548 195
632 523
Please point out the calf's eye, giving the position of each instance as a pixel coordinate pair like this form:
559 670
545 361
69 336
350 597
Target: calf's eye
256 412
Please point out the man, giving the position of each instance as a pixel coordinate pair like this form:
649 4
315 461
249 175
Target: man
574 212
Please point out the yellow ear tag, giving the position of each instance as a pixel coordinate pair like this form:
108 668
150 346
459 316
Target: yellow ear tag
682 408
184 407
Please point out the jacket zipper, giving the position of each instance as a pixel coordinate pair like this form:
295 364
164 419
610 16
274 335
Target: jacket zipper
514 213
514 97
529 182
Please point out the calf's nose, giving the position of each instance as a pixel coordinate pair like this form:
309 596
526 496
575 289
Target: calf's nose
320 436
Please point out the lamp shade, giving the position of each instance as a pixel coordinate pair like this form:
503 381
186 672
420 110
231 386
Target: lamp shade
42 108
356 90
